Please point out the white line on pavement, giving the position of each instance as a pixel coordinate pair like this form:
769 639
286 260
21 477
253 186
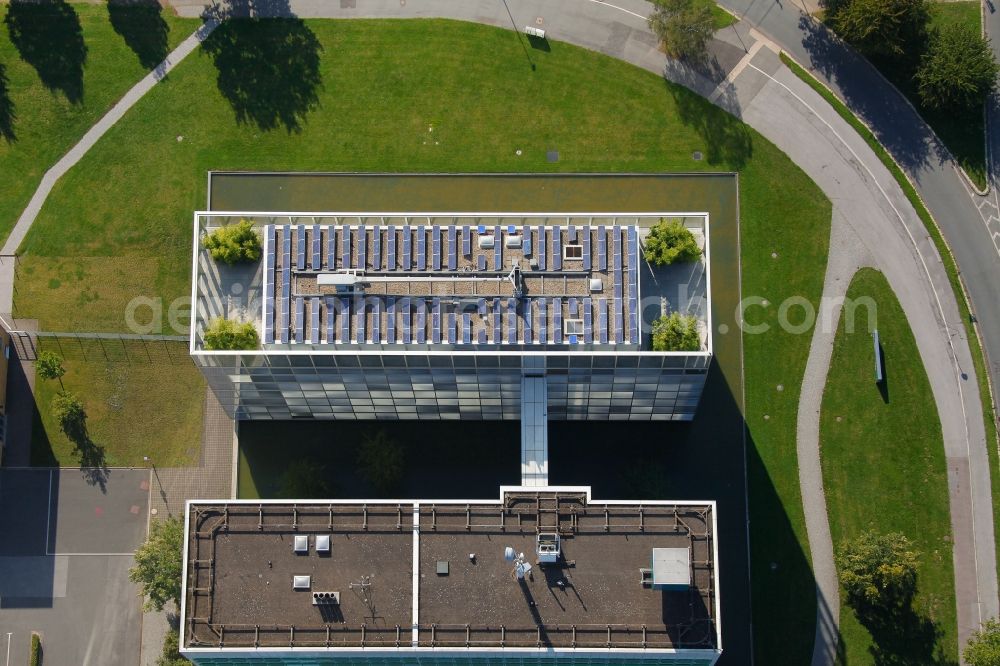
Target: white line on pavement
621 9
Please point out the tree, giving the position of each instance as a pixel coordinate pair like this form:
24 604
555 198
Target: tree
670 241
226 334
684 28
958 72
72 417
983 648
676 332
158 566
381 460
49 365
878 570
304 479
234 243
171 655
892 28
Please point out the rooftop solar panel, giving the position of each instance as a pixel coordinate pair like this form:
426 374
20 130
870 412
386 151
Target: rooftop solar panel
452 249
497 323
451 328
376 320
526 235
481 307
602 320
421 249
362 248
526 315
316 247
617 245
542 251
331 247
543 316
300 247
345 320
345 247
557 320
602 249
497 250
466 242
286 282
407 248
586 248
406 313
390 320
557 249
466 327
421 321
481 262
300 309
481 336
511 321
588 321
359 319
436 321
314 321
571 234
269 284
390 261
436 249
330 321
377 249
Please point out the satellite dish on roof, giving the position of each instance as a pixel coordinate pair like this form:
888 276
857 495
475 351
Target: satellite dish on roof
508 554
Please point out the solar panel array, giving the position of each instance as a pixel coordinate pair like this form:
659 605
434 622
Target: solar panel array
314 317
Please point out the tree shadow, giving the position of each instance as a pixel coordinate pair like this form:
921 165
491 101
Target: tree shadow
727 140
866 93
901 636
141 25
268 68
92 459
7 115
48 36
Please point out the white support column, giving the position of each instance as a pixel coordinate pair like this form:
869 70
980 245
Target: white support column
534 431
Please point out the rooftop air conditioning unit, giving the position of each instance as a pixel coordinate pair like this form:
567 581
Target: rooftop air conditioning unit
547 547
301 582
486 242
512 241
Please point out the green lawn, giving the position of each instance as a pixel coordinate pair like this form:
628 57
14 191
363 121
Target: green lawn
140 399
52 101
720 17
894 430
465 98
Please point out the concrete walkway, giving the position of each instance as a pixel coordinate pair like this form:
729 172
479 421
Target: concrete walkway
68 160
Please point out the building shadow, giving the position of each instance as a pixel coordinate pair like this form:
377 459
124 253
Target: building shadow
7 115
27 571
140 23
48 36
268 68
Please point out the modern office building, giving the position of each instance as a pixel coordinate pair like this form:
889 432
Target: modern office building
452 316
542 575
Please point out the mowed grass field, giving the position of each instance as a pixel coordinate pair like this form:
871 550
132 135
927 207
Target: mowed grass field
78 65
884 470
439 96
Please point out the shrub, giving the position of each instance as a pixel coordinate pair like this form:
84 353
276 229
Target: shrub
671 241
684 28
69 412
381 459
35 658
983 648
891 28
158 566
877 570
958 72
676 332
304 479
171 655
49 365
234 243
225 334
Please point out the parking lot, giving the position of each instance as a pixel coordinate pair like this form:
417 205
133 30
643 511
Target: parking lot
66 543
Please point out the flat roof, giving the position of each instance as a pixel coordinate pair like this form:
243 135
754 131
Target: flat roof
457 281
432 574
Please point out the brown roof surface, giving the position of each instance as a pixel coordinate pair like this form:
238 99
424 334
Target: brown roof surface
241 563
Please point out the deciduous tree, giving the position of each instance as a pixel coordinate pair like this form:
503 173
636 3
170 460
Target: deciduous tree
685 28
158 566
958 72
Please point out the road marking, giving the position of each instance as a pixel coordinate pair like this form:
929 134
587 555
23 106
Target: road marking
621 9
727 83
944 320
8 648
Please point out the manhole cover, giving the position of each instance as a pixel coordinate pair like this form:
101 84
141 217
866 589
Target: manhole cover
539 20
696 155
552 156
